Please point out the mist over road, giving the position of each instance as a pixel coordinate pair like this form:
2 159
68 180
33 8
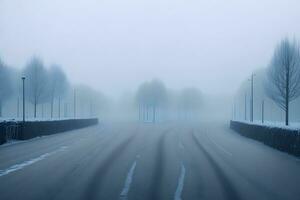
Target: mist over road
147 161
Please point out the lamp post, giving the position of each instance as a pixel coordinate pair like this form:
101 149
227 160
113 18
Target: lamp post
245 106
251 97
74 103
42 110
23 84
59 107
18 108
262 111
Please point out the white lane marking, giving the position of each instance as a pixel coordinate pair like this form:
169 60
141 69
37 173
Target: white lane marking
128 181
180 185
219 146
29 162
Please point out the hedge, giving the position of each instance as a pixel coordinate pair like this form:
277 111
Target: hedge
31 129
286 140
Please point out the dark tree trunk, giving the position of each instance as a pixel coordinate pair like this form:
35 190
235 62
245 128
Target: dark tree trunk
287 114
144 113
58 107
147 113
34 110
154 113
51 112
42 110
18 108
35 104
287 97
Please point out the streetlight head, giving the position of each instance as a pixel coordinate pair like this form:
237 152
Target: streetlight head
23 77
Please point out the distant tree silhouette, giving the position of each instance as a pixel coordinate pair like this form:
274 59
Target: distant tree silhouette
6 88
36 82
141 98
150 96
283 85
58 86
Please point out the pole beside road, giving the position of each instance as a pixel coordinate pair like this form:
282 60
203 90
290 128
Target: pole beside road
23 84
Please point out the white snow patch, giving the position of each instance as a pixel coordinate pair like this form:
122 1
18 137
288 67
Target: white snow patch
38 119
272 124
29 162
14 142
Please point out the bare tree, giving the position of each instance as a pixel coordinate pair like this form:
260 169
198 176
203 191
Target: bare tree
283 85
91 102
157 97
151 95
141 99
58 85
36 82
6 88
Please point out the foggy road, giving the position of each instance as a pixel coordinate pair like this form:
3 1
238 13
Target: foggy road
146 161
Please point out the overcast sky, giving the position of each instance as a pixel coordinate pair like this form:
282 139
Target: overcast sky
114 45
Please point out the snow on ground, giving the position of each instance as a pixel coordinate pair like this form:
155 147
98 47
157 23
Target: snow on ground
273 124
36 119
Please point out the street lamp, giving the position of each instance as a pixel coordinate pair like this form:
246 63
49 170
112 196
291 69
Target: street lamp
262 111
74 103
23 84
59 107
18 108
245 112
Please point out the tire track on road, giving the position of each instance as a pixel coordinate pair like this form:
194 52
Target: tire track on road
263 189
157 179
95 147
96 183
228 190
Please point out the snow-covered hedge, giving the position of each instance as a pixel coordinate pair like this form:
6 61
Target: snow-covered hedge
31 129
283 139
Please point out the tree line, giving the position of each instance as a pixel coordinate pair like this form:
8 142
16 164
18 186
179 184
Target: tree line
47 88
278 82
156 102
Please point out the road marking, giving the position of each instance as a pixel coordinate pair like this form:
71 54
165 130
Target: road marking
180 185
128 181
219 146
29 162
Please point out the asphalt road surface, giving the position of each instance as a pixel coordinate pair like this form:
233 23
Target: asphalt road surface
145 161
